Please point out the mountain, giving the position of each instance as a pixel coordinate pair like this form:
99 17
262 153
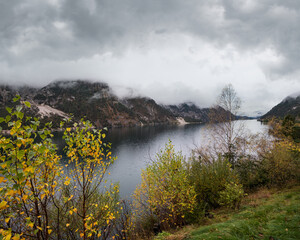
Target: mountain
189 112
95 101
288 106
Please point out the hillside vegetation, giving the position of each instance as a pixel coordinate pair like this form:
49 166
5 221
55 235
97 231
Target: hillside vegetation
266 214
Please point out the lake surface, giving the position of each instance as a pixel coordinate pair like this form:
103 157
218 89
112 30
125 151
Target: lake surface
134 147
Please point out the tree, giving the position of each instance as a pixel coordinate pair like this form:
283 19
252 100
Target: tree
29 171
91 208
227 133
39 197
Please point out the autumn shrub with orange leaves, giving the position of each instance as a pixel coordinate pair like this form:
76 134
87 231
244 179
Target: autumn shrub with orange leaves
42 199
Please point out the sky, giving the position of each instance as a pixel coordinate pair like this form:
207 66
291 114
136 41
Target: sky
170 50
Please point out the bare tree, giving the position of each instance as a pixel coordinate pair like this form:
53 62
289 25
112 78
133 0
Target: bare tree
227 133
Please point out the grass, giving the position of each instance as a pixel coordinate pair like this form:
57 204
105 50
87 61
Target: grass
263 215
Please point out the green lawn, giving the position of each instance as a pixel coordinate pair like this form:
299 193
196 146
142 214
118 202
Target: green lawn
263 216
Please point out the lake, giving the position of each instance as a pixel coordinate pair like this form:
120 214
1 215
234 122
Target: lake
134 147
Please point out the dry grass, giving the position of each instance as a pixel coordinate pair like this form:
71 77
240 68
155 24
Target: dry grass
182 233
255 199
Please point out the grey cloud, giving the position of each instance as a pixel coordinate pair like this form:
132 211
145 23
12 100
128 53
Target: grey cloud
28 30
44 40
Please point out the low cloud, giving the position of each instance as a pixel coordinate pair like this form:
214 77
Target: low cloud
171 50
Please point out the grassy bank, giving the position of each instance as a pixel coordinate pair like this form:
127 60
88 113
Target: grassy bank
263 215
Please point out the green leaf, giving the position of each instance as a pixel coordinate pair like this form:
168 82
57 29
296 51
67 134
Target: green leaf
8 109
27 104
20 115
8 118
2 119
17 98
20 154
31 154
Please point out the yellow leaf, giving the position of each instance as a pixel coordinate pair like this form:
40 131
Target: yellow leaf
67 182
30 224
25 197
49 231
2 179
29 169
70 197
3 205
16 237
42 196
68 224
10 193
7 237
7 220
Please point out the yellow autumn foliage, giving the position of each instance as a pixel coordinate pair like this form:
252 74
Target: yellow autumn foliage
165 195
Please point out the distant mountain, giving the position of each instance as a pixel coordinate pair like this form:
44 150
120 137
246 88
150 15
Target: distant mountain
96 102
189 112
289 106
192 113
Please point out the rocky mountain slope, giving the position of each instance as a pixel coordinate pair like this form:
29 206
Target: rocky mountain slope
289 106
96 102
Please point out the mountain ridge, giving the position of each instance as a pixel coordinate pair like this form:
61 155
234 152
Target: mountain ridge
288 106
97 102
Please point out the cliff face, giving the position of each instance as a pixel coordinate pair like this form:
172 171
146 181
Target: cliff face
289 106
96 102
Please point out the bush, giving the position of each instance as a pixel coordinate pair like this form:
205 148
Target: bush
210 179
251 173
165 195
232 195
276 165
281 164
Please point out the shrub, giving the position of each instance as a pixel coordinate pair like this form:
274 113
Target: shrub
281 164
210 179
164 196
251 173
232 195
276 165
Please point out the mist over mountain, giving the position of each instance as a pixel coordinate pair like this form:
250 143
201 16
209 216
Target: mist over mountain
97 102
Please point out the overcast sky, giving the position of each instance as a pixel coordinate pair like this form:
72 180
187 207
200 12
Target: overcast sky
170 50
